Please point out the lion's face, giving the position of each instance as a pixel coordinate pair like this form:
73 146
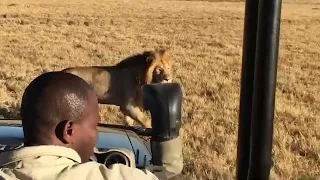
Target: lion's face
162 72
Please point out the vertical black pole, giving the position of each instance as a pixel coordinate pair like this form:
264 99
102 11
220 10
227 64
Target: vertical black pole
264 88
246 92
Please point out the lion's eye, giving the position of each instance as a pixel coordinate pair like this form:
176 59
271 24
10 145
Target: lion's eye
159 70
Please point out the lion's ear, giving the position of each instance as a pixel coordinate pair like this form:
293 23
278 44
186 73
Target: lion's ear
150 57
166 56
162 52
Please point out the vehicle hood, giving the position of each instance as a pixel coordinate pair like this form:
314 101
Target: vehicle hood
11 133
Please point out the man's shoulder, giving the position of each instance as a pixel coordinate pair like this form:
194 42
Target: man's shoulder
116 171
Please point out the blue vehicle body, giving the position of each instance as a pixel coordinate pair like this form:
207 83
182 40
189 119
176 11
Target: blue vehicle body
11 134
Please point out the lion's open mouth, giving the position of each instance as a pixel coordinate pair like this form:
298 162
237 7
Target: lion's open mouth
166 80
162 80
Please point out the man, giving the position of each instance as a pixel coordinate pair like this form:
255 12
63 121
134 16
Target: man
60 115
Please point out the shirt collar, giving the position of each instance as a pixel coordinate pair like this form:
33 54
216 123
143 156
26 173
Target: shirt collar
34 151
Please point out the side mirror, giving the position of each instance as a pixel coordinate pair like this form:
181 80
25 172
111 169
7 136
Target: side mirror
164 101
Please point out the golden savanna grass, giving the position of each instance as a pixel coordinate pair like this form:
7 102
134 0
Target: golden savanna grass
205 39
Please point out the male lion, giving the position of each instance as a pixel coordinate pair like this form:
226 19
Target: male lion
120 84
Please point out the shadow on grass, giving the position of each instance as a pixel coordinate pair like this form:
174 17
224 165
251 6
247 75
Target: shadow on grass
306 177
9 113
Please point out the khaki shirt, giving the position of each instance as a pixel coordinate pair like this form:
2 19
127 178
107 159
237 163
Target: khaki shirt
50 162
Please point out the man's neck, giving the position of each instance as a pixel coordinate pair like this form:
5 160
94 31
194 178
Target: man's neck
44 141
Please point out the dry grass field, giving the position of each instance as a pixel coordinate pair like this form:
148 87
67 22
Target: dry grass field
205 39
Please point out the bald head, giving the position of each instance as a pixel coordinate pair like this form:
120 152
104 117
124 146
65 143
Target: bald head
52 104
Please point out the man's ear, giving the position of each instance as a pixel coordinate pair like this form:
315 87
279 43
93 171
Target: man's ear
65 131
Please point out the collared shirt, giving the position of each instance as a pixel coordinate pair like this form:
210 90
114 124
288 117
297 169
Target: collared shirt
50 162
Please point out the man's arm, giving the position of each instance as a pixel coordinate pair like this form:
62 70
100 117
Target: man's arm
96 171
130 173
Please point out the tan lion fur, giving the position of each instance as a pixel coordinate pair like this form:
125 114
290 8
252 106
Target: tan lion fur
120 84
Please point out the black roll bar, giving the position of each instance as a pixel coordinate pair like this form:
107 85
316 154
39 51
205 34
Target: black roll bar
246 91
258 85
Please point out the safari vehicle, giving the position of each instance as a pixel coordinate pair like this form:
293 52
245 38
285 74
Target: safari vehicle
257 99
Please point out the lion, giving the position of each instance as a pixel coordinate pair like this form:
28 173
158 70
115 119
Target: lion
121 84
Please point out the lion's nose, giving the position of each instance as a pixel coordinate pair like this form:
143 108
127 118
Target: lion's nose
166 77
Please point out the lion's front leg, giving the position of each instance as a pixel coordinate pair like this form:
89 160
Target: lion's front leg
135 113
